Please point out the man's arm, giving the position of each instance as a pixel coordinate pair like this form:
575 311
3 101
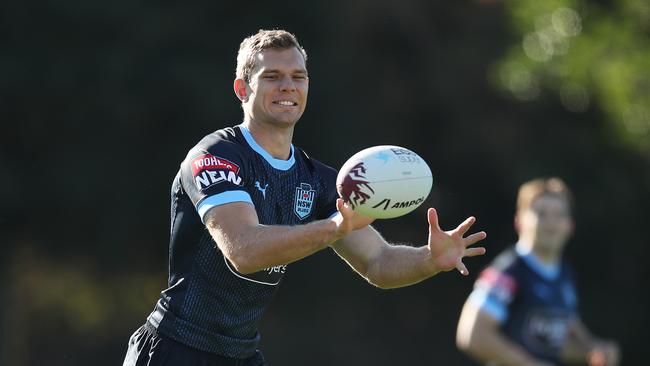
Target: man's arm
251 246
581 346
389 266
479 335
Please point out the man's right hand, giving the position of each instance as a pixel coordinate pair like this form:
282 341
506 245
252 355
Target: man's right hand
605 353
347 219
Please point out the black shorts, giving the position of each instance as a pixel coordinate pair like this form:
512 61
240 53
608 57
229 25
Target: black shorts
149 348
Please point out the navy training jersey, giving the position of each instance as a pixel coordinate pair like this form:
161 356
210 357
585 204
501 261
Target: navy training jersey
208 304
534 303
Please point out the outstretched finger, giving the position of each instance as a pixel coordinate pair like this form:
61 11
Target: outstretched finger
432 218
461 268
462 228
473 252
474 238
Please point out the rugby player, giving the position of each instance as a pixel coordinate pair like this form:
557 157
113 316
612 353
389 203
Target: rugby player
523 310
246 203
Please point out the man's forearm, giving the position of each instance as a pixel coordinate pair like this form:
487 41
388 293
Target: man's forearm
479 335
264 246
578 344
400 265
497 349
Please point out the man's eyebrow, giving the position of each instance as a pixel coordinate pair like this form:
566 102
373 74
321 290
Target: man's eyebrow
277 71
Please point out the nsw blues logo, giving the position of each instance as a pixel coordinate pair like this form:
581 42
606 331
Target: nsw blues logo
304 200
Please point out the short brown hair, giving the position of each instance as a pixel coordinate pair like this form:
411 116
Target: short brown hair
531 190
263 40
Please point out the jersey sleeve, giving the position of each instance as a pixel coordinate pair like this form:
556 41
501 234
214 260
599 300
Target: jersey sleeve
214 175
327 207
494 291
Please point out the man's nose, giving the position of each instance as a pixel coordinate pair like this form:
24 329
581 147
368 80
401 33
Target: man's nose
287 84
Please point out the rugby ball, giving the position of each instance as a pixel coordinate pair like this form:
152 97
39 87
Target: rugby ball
384 181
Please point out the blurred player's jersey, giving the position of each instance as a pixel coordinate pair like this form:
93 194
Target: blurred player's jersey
208 304
533 302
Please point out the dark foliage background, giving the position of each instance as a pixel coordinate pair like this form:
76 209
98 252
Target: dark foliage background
101 100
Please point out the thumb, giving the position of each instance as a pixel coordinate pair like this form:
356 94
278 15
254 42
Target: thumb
432 218
340 205
344 209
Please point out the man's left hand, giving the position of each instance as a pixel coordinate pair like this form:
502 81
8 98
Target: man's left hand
448 248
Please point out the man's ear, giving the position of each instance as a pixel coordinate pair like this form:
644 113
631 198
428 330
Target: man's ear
517 223
241 89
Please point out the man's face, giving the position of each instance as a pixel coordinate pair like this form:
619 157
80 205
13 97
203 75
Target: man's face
548 221
278 87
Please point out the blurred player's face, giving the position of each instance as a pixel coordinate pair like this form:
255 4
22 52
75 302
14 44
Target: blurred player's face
278 88
547 223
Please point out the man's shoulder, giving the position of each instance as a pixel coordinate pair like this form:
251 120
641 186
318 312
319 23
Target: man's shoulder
226 140
222 136
506 261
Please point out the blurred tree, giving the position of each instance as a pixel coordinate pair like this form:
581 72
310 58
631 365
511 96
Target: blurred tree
584 51
101 100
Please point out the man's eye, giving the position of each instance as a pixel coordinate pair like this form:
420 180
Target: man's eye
270 77
300 77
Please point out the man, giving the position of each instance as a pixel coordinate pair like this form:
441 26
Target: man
245 185
523 310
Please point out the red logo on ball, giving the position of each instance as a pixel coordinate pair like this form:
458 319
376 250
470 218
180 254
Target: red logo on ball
350 188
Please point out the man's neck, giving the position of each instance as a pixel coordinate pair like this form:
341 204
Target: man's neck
548 270
275 140
546 256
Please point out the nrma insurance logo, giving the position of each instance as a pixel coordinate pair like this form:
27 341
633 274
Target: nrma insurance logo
209 170
268 276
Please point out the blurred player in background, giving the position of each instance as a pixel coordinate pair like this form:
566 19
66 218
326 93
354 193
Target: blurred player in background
246 203
523 310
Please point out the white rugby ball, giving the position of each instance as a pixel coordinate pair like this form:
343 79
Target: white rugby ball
384 181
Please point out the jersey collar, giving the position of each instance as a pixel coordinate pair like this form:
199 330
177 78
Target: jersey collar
276 163
548 271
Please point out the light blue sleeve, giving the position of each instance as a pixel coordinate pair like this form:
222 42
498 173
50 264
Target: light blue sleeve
489 304
221 199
